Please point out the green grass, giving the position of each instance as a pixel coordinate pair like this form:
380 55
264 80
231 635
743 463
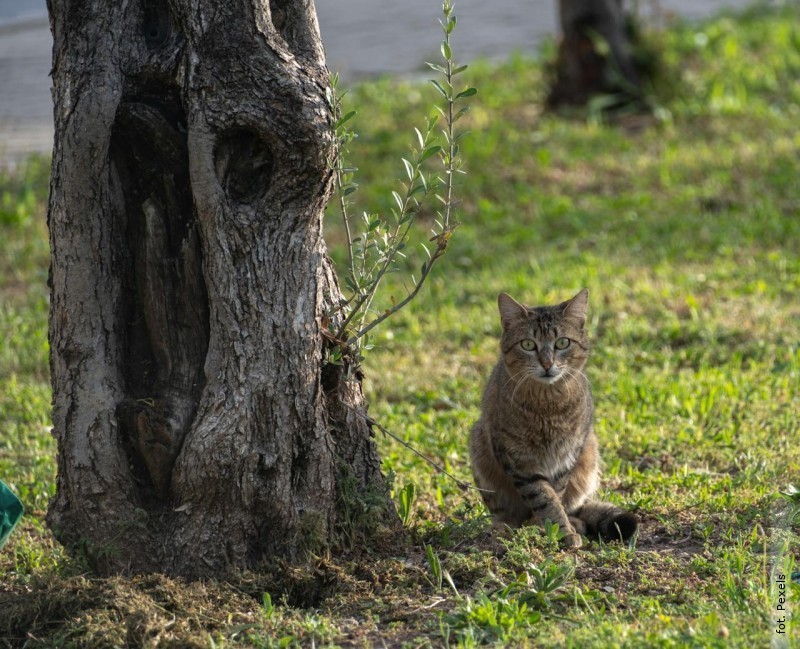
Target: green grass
686 232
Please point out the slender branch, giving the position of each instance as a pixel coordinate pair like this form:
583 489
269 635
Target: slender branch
342 137
441 246
461 483
366 302
369 294
389 258
450 134
450 164
345 216
394 239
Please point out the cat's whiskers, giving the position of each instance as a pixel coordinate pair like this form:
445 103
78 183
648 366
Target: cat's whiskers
564 382
513 377
527 379
573 372
516 381
534 384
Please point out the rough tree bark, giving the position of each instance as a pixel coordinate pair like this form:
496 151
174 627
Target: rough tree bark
581 71
198 427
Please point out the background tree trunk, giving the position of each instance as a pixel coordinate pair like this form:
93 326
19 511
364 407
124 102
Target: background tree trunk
582 70
197 425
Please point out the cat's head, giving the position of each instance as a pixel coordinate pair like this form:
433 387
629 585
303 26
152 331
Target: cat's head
545 343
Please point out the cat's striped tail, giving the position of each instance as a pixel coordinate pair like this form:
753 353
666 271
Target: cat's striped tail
606 521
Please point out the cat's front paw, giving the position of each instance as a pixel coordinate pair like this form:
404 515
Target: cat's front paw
572 540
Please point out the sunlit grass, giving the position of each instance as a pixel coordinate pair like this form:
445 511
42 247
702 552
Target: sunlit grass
686 233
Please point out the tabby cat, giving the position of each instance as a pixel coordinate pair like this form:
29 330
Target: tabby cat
534 452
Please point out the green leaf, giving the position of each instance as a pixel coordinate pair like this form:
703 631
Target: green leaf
447 52
435 565
349 190
430 151
398 199
437 67
467 93
345 118
409 168
451 25
439 87
460 113
419 188
458 70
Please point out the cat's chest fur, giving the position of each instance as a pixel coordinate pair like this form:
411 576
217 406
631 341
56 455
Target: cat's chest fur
539 432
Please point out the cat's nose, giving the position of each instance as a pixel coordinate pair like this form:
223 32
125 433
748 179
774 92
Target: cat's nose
547 363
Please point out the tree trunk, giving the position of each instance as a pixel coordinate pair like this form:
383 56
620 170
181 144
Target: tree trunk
582 70
198 426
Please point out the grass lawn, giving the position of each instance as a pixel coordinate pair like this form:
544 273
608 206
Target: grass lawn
685 229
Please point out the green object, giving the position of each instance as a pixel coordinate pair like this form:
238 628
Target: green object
10 512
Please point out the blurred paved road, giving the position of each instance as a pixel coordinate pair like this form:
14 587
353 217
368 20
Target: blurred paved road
362 38
26 111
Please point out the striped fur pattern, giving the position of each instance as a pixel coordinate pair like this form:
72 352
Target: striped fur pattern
533 450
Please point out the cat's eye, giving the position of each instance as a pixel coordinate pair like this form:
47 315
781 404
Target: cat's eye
528 345
562 343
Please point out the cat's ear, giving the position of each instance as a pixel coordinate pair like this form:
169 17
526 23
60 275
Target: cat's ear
576 307
510 309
